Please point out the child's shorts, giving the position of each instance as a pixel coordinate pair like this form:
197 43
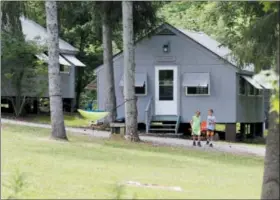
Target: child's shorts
196 133
210 132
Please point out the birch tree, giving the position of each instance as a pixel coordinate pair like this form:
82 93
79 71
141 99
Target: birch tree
57 119
129 72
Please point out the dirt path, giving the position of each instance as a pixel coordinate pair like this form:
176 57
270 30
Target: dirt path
243 149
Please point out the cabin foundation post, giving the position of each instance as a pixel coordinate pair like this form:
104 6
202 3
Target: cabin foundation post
252 130
259 129
72 105
231 132
36 106
242 131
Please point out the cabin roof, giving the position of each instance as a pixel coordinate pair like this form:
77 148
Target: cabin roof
37 33
200 38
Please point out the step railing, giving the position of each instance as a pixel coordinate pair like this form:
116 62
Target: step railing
148 114
177 124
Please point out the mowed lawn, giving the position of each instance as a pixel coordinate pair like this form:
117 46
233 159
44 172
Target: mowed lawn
90 168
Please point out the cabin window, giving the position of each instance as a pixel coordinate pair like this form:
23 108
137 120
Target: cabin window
251 89
141 90
140 84
258 92
197 90
196 83
242 86
64 69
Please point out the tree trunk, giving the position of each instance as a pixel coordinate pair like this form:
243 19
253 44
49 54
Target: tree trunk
129 73
79 89
270 186
57 119
79 74
110 101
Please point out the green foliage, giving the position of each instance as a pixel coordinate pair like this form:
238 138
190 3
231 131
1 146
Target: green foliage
88 96
270 78
118 191
253 25
275 101
80 24
11 11
16 184
20 70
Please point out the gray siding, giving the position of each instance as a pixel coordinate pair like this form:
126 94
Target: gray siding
250 109
221 98
189 57
228 105
67 82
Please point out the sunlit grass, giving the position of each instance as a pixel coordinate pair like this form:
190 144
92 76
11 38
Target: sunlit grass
90 168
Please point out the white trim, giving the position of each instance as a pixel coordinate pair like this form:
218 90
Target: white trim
73 60
175 88
186 92
252 82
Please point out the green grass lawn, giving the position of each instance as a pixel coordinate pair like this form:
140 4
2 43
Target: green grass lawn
90 168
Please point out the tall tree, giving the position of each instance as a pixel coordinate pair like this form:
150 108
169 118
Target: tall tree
57 119
129 72
270 186
107 39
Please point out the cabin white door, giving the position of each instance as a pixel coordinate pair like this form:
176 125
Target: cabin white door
166 100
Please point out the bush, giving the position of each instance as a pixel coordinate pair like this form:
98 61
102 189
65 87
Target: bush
16 184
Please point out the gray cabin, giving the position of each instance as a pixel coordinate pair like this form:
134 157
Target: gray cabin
179 72
67 60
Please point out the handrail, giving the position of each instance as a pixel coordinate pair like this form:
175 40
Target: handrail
148 115
177 124
148 105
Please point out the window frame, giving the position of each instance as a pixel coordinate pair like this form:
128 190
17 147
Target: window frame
260 93
199 94
64 72
146 90
249 85
136 94
239 86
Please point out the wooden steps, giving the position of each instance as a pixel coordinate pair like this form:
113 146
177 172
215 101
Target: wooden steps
164 124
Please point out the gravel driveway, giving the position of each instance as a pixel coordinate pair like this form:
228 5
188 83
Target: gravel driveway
243 149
